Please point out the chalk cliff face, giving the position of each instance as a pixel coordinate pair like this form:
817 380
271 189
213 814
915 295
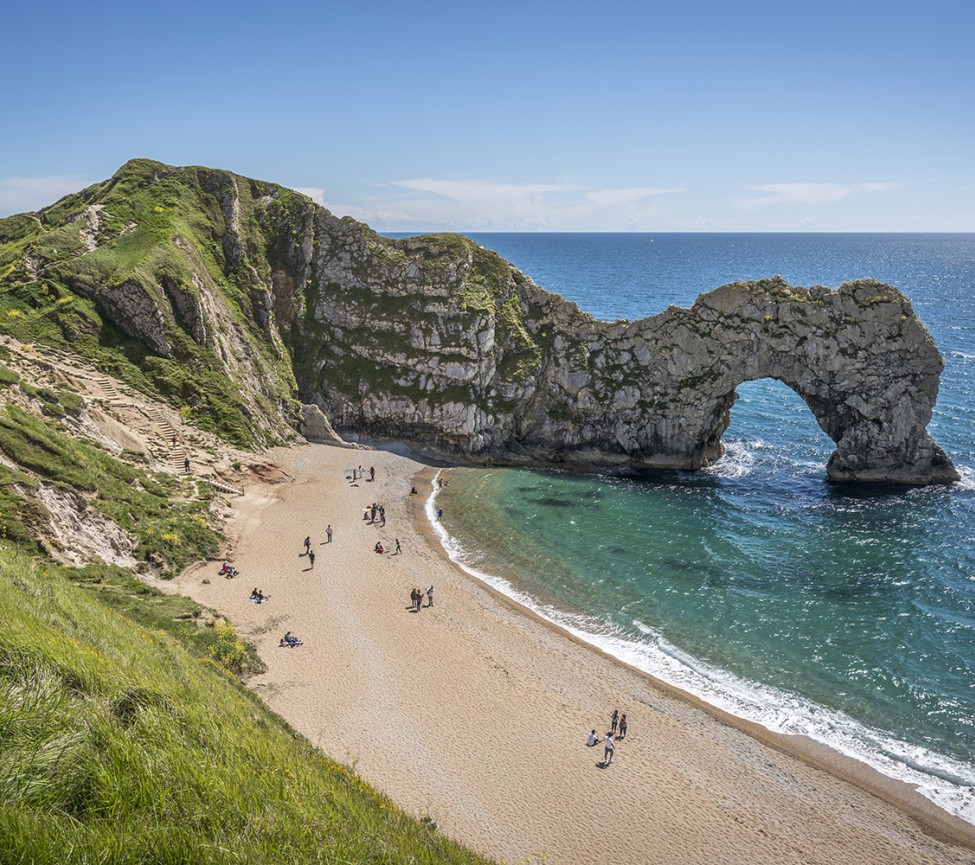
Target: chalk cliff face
440 343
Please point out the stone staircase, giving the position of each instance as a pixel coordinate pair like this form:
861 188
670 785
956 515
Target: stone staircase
107 387
165 439
179 459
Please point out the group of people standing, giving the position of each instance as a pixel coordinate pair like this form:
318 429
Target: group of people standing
416 599
361 472
618 728
374 511
309 552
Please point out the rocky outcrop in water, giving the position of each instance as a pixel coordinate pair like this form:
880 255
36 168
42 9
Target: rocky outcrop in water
442 344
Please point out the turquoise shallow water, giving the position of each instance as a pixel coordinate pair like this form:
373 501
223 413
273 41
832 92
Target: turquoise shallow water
844 613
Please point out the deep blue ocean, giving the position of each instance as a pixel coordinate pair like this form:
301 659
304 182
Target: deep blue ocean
846 614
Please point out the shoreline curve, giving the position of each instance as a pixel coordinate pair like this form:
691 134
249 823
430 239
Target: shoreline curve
474 712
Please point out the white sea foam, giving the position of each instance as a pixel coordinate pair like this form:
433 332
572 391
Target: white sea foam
738 460
967 477
948 783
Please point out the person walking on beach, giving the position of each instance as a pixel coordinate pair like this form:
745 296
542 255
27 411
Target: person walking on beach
307 544
372 473
399 549
311 558
430 596
328 534
608 749
413 598
622 734
615 720
439 514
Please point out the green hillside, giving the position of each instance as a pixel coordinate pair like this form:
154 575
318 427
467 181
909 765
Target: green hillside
126 735
118 745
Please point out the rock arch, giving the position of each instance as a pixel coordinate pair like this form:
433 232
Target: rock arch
858 357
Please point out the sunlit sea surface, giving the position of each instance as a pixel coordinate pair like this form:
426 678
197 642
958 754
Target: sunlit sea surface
846 614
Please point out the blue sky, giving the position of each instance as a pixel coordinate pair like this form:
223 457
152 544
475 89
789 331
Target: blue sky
613 116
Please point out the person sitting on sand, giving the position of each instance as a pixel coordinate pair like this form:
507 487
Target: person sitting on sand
289 641
379 548
256 595
593 739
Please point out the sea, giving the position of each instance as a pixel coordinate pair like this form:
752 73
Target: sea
843 613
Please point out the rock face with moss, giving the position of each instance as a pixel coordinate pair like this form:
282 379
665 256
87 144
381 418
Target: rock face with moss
439 342
442 344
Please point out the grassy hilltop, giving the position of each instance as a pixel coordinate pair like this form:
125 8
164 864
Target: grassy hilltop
236 300
146 274
206 289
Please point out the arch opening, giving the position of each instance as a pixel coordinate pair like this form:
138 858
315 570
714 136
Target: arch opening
774 429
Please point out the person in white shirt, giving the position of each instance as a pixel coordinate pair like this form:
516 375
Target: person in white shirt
609 748
593 739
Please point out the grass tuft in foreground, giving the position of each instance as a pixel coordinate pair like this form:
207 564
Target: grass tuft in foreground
117 745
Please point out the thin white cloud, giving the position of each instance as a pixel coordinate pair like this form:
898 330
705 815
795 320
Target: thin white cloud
616 197
480 190
25 194
313 192
807 193
430 203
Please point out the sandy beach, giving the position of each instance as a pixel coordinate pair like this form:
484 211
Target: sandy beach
475 712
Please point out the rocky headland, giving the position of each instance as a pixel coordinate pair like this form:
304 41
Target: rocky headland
248 304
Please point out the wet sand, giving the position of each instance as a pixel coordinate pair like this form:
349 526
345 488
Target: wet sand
475 712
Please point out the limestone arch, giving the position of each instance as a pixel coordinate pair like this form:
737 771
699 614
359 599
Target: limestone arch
858 357
814 407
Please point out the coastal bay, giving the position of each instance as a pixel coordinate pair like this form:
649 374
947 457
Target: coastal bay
474 712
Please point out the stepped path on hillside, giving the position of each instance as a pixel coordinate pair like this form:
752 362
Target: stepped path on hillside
123 419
